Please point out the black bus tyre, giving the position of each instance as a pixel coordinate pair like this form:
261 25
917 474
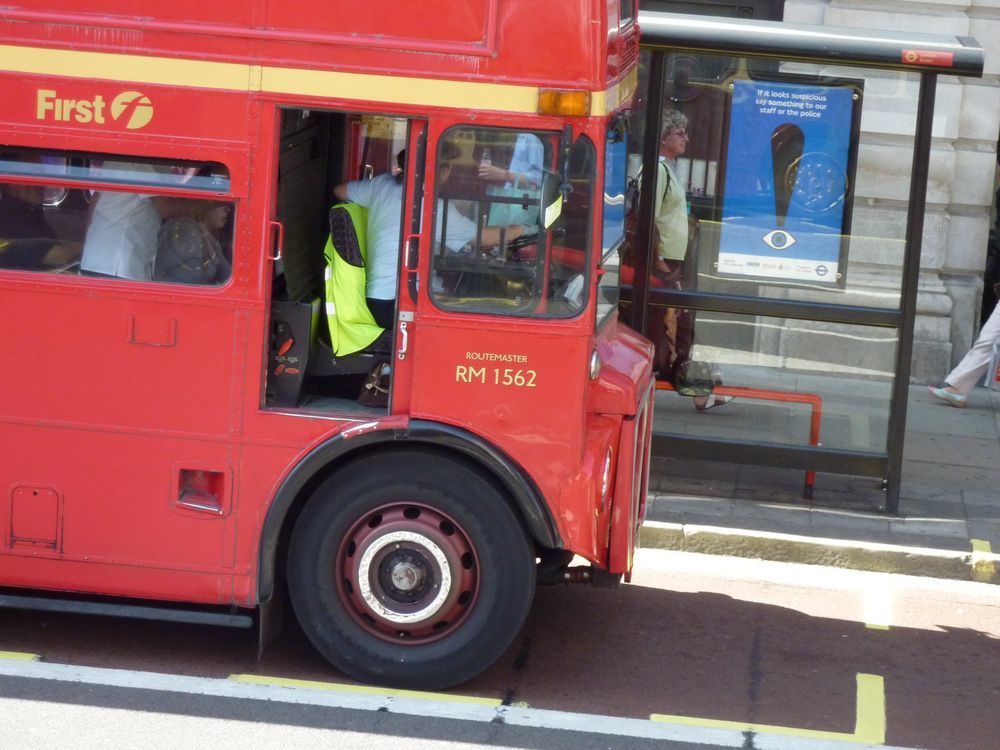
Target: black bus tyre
410 570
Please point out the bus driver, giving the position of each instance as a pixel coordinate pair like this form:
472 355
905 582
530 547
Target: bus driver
383 197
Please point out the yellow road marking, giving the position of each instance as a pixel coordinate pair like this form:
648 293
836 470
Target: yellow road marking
984 565
18 656
363 689
869 724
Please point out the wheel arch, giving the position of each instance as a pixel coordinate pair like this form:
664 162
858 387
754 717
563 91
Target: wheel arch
340 449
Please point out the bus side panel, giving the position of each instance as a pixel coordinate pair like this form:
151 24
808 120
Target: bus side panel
120 400
113 407
520 391
137 581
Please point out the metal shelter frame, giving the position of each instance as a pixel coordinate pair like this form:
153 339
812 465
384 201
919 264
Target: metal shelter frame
665 33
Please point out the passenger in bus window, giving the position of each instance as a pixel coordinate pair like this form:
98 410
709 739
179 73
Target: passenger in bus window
26 239
460 232
525 168
121 240
189 249
521 179
383 197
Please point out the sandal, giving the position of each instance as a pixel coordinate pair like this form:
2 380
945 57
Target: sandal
704 403
954 399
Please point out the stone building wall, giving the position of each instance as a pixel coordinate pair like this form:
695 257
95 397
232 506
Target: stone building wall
962 168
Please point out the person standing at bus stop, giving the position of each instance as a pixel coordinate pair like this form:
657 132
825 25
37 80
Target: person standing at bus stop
674 332
959 383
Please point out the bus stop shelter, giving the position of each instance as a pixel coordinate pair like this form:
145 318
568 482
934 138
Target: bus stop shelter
806 177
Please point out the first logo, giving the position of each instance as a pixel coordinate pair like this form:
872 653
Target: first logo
133 109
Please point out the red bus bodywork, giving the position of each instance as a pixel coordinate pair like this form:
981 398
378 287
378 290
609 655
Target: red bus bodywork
119 397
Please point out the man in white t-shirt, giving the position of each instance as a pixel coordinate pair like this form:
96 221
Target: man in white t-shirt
383 197
122 236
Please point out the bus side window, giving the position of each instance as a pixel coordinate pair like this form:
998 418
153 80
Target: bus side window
114 232
29 239
194 248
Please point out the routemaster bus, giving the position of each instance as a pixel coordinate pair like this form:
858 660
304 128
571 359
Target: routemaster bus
201 415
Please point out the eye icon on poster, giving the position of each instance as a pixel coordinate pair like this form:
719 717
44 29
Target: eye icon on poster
779 239
786 192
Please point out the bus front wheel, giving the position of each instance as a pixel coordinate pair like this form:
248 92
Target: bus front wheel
410 570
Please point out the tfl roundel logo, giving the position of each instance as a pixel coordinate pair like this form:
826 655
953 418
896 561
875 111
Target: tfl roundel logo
132 109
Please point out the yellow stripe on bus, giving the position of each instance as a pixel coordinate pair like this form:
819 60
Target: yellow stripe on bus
389 89
602 102
169 71
401 90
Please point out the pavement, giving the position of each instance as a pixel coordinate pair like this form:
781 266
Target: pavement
948 524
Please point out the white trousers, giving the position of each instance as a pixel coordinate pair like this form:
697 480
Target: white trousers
970 370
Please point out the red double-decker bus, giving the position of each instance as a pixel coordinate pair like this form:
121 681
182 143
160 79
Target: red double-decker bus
195 419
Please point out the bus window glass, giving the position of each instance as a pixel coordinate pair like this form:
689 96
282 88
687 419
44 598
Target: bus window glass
491 252
56 228
626 12
615 196
615 160
192 175
608 293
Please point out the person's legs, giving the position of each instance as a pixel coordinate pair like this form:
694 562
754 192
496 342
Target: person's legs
990 277
970 370
960 381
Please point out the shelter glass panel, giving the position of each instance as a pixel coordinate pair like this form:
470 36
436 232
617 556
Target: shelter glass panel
795 178
793 382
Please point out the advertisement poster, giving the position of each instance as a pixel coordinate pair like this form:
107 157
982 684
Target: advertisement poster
787 181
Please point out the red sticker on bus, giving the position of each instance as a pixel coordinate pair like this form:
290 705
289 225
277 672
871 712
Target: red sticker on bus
928 57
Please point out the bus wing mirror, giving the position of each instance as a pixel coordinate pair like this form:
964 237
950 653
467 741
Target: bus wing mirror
551 198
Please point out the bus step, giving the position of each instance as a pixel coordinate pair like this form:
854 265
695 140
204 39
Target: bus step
207 616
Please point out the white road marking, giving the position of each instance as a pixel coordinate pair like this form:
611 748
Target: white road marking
521 716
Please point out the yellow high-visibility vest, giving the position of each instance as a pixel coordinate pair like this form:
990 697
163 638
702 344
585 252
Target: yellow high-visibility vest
351 324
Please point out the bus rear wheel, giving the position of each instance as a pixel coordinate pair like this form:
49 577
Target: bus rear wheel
410 570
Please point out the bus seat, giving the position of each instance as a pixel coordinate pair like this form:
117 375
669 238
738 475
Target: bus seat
353 341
